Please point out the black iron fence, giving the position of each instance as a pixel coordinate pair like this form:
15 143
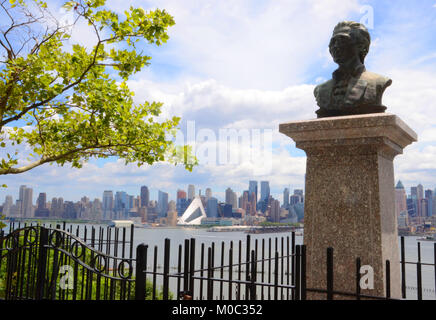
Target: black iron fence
40 262
46 262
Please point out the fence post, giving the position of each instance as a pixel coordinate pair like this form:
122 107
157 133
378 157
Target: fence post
276 274
388 279
166 270
253 276
230 272
403 269
329 273
141 266
192 268
42 263
303 272
209 274
247 265
297 282
419 273
186 266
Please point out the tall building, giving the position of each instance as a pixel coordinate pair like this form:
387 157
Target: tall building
7 205
182 203
172 214
21 192
41 203
401 203
424 208
429 197
162 204
299 192
252 188
417 193
181 194
286 198
411 208
212 208
108 204
264 196
27 206
264 190
191 192
208 193
244 201
121 205
231 198
57 207
225 210
145 196
96 210
70 211
274 210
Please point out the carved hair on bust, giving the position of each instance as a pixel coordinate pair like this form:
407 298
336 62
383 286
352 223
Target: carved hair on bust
359 35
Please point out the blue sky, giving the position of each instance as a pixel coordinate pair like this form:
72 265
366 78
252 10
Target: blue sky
252 65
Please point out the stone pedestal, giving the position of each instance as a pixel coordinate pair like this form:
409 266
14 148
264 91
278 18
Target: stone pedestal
349 202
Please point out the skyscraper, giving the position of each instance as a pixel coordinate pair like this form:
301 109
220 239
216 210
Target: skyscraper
181 194
231 198
244 202
264 190
162 204
145 196
27 203
182 203
252 188
108 204
420 196
401 201
41 202
208 193
7 205
286 198
429 197
212 208
191 192
275 210
20 201
300 193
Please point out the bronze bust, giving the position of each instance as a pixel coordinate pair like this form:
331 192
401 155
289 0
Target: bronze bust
353 90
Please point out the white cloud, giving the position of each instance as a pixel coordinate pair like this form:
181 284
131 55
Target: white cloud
249 66
249 45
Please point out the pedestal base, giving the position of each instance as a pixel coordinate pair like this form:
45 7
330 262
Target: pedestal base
349 203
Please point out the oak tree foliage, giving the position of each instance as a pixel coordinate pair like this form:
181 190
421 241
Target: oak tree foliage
67 102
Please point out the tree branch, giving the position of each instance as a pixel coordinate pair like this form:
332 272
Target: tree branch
65 155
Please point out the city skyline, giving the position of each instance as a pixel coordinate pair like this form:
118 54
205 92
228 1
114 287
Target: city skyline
171 195
35 194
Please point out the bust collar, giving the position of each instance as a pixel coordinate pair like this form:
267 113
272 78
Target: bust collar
340 74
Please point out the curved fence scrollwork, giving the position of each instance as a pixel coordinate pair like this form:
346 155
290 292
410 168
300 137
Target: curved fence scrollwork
48 263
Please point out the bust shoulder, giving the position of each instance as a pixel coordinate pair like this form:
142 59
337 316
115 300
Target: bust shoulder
322 92
381 82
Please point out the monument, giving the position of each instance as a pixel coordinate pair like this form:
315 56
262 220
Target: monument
350 147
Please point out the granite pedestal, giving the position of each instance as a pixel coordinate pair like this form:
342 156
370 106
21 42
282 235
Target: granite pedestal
349 202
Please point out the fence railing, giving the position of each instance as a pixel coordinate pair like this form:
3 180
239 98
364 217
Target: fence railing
39 262
47 262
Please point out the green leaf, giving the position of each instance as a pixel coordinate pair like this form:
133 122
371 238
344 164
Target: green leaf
83 110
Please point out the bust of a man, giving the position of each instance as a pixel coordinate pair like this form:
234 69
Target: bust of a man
353 90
